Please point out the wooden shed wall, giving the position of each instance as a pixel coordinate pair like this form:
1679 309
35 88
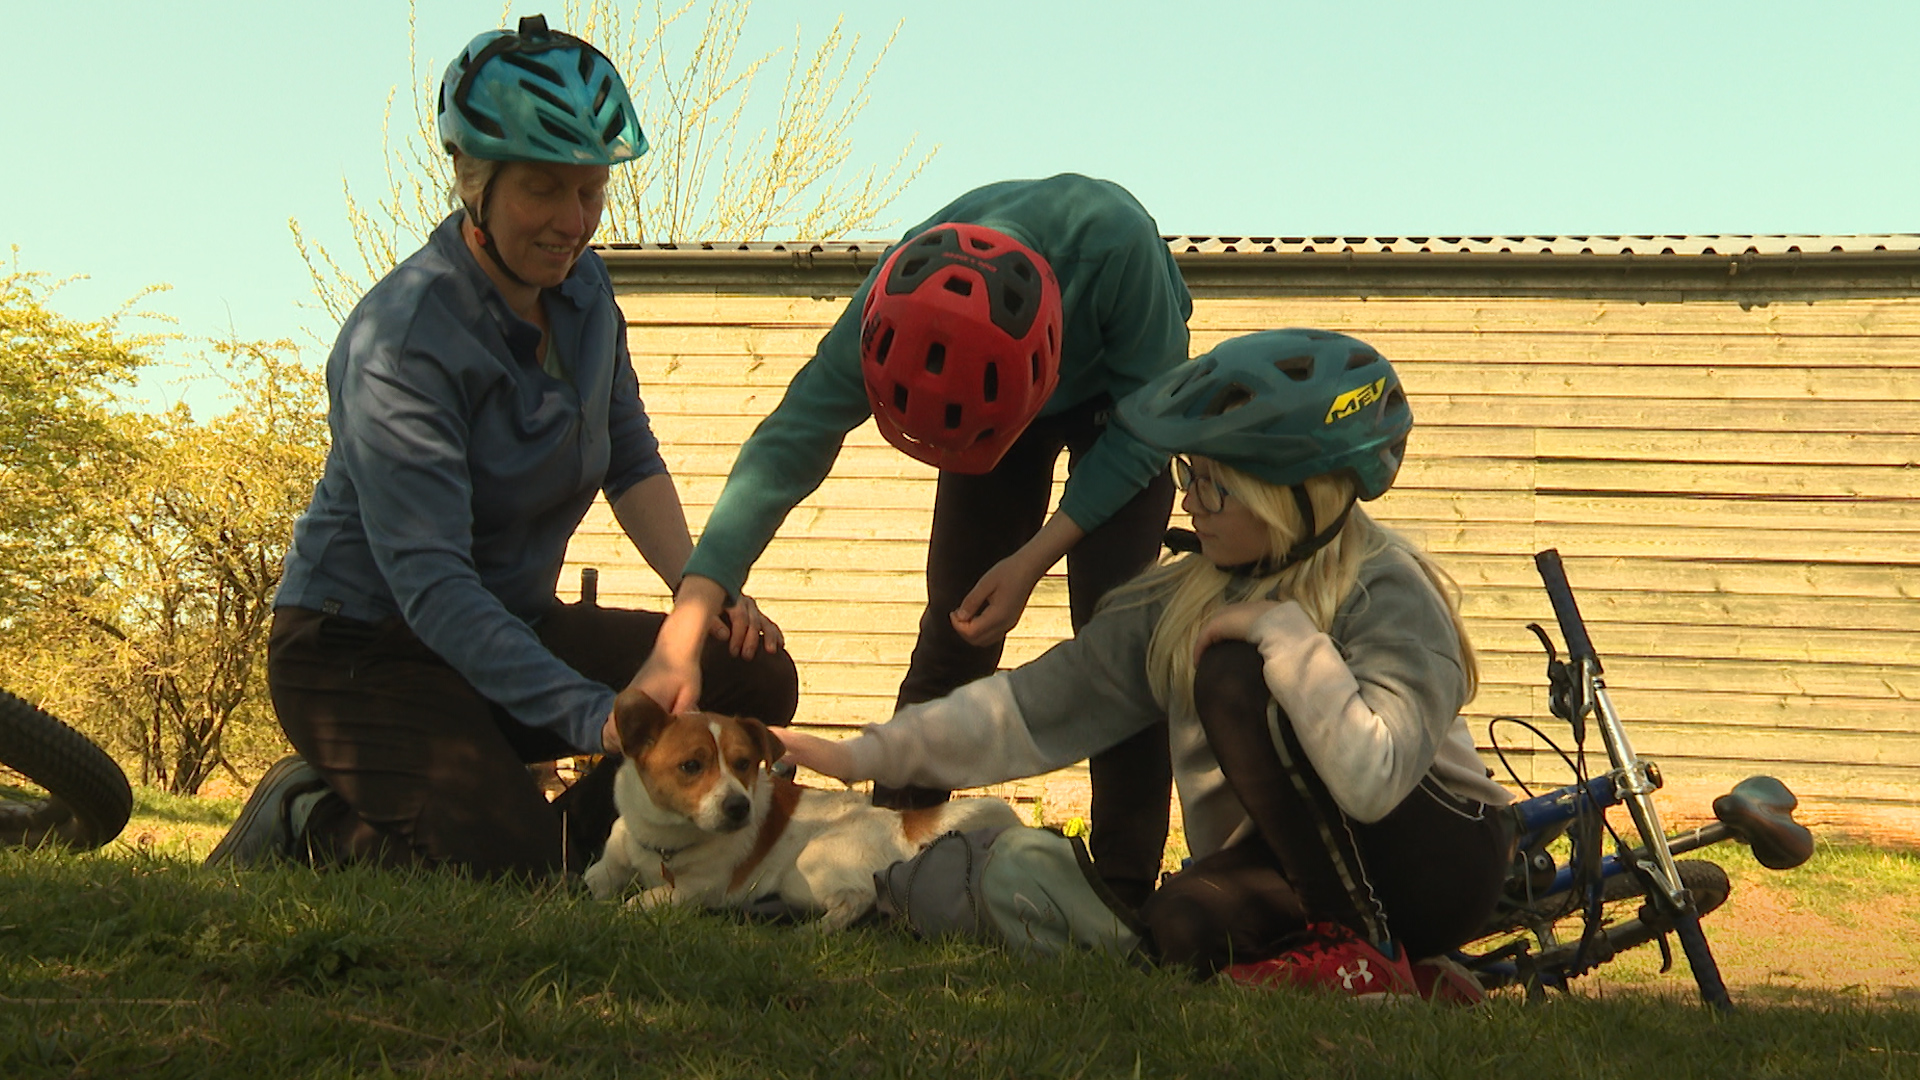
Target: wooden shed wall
1731 483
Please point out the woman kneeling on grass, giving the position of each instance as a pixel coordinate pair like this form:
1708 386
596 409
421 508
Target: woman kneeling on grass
1312 667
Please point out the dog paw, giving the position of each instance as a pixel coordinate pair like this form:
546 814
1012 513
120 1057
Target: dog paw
842 914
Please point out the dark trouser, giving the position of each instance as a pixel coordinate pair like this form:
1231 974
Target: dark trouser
425 771
1426 875
980 520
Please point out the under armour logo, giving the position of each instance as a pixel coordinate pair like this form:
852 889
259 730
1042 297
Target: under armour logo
1357 973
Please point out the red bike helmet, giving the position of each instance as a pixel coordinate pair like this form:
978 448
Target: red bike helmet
960 345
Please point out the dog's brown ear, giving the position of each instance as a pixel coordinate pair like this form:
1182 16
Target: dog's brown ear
771 748
639 719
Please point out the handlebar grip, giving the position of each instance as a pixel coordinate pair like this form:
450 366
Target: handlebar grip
1572 628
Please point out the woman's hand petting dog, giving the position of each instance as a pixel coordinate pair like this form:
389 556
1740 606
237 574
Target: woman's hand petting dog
824 756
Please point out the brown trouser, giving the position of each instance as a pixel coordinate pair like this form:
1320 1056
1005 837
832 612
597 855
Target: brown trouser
425 771
980 520
1426 875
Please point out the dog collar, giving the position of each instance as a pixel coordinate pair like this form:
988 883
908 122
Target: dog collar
666 872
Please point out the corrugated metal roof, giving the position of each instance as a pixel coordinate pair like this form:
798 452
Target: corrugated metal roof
1670 245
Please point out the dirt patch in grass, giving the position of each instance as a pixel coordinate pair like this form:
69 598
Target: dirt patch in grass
1783 940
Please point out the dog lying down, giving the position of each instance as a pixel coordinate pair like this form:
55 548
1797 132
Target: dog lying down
704 821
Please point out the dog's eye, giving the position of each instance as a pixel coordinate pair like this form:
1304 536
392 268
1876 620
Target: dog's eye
691 766
742 764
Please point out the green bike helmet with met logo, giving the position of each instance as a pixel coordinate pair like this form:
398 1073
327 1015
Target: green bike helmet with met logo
1282 405
537 95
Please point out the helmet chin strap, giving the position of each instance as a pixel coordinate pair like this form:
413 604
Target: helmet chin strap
487 243
1184 541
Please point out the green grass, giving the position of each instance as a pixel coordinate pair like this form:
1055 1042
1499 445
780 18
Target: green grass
136 961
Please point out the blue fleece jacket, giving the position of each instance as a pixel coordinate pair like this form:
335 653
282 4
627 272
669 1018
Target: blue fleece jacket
459 469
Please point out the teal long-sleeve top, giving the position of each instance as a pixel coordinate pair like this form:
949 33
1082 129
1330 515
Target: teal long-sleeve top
1124 321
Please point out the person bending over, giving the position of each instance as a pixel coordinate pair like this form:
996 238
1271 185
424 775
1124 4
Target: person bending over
995 336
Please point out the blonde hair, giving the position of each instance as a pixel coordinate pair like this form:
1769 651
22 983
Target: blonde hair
1194 588
471 175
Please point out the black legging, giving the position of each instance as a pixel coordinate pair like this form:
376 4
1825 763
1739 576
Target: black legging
1426 875
426 771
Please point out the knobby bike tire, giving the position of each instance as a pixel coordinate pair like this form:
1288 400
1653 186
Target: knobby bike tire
1704 880
79 777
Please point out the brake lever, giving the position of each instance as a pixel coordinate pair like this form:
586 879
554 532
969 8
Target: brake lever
1560 688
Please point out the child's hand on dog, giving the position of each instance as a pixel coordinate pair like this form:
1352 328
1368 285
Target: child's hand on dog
825 756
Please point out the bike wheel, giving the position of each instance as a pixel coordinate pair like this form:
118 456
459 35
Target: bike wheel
89 797
1624 929
1704 880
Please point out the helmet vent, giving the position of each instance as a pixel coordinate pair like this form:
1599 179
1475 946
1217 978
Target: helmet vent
544 95
991 390
957 284
1396 397
613 128
600 95
911 268
1297 368
1360 358
1013 302
534 67
1230 397
1022 269
1035 359
953 417
936 358
585 67
886 346
981 243
558 132
900 397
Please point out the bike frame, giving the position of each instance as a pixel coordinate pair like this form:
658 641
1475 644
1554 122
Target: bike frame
1631 781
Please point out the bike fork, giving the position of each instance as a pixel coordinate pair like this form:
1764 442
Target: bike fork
1636 782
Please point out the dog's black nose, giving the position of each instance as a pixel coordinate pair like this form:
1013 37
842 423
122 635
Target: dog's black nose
735 809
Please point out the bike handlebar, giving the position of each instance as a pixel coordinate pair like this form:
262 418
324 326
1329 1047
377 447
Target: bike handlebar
1572 628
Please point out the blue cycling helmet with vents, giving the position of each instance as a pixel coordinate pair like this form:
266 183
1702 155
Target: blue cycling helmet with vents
537 95
1282 405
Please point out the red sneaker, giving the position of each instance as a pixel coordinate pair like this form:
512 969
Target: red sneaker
1334 958
1444 981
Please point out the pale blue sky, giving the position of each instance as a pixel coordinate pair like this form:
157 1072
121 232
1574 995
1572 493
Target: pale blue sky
149 142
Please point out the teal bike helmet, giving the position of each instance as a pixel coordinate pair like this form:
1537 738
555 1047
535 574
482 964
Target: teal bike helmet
537 95
1284 406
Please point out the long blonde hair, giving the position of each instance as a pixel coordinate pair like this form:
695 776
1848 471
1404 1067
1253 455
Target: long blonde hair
1194 588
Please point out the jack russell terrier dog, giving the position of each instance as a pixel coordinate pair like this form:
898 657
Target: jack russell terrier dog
704 820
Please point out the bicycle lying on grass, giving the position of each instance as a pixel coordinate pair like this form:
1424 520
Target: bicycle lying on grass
1672 894
88 798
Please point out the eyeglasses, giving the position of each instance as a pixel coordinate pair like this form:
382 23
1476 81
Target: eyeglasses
1207 491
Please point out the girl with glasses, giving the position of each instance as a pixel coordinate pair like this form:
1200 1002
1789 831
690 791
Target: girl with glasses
1311 667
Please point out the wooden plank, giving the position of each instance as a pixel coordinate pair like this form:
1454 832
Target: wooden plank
1730 576
787 347
1603 415
1859 317
1894 484
1800 449
1653 512
1662 611
1759 711
1522 315
1672 542
1675 383
1680 347
1671 674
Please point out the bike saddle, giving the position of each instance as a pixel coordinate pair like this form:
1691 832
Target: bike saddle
1759 810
